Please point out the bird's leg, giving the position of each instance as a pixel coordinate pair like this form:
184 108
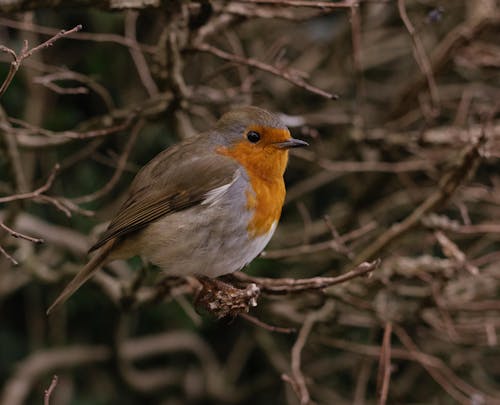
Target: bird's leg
222 299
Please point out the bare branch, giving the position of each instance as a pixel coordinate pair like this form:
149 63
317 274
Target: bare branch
307 3
137 55
447 186
119 168
284 74
292 285
266 326
48 392
82 36
297 379
420 54
36 193
19 234
95 133
8 257
384 371
25 53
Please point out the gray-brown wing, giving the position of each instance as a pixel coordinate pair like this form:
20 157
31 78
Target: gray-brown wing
174 180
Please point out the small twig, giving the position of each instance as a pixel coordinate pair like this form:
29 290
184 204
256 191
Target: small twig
447 187
137 55
120 167
297 379
19 234
25 53
289 285
284 74
420 55
320 246
8 257
266 326
452 251
384 370
337 243
175 67
17 387
65 74
435 373
48 392
61 204
36 193
81 36
307 3
307 221
364 166
436 367
49 82
357 53
442 53
95 133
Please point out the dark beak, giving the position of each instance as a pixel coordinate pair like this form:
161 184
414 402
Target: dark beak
291 143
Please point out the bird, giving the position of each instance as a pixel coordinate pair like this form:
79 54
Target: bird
206 206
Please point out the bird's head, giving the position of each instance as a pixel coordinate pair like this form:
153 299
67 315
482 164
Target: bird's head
257 139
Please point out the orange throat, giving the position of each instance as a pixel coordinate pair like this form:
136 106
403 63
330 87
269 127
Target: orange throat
265 167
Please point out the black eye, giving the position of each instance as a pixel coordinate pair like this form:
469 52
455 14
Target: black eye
253 136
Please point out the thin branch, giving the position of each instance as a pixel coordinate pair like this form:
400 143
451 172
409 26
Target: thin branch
364 166
292 285
284 74
432 364
447 187
384 371
8 257
48 392
297 379
62 73
175 67
25 53
120 167
266 326
268 11
18 386
61 204
94 133
82 36
13 154
49 82
307 3
333 244
420 54
36 193
443 52
20 235
436 374
137 55
452 251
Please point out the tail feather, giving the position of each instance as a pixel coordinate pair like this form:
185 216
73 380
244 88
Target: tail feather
83 275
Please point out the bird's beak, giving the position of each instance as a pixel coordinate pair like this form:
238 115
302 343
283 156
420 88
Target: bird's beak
291 143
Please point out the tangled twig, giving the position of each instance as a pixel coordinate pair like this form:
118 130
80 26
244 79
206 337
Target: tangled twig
26 53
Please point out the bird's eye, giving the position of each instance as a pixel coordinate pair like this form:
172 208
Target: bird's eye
253 136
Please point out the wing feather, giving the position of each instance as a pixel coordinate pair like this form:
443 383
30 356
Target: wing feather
173 181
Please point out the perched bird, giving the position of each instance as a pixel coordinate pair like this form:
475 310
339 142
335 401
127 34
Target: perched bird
204 207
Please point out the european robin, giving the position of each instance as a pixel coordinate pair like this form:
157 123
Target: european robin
204 207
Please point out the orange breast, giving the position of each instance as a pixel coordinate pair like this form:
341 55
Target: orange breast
266 200
265 167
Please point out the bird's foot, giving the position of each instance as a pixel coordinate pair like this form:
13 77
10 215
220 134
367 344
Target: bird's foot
222 299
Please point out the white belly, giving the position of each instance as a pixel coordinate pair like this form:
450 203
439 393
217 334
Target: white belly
210 239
